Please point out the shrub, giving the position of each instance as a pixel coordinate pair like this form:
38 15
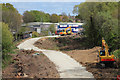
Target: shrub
7 41
117 53
7 37
35 34
44 33
52 28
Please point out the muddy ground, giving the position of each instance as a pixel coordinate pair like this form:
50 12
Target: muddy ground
78 48
27 64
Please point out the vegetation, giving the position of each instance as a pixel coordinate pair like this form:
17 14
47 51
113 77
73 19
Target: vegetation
117 53
54 18
11 21
7 37
65 17
35 34
101 20
28 17
36 16
39 16
7 44
44 32
22 30
52 28
11 17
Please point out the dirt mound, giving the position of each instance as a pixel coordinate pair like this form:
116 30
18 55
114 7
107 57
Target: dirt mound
88 58
83 56
29 63
63 43
107 73
46 43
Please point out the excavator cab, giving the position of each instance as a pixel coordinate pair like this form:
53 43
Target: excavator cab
102 53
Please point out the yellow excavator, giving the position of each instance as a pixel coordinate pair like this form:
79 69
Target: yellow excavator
66 31
104 56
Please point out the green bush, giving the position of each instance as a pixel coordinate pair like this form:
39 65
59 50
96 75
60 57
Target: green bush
117 53
35 34
44 33
7 43
7 37
52 28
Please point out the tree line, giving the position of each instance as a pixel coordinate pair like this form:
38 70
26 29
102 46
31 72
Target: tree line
39 16
100 20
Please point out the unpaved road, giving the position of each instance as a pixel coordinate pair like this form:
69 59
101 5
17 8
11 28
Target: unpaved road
66 66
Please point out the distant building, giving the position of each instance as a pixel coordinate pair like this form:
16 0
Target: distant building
39 26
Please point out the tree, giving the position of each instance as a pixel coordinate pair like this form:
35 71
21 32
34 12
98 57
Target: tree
100 21
11 16
52 28
47 18
36 16
54 18
59 20
65 19
28 17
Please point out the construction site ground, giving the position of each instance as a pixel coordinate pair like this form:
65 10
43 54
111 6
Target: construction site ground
30 64
77 47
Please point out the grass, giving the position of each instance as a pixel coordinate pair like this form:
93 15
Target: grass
6 60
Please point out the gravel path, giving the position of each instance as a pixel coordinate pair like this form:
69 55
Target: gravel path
66 66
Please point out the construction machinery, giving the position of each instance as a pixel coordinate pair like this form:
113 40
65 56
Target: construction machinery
105 57
66 31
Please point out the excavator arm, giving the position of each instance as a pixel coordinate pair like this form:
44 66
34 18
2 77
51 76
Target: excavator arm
104 54
105 47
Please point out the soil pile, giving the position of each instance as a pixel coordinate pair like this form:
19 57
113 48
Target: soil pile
31 64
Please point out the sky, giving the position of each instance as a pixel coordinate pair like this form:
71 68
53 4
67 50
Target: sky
47 7
56 6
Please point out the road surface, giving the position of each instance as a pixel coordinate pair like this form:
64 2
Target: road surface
66 66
